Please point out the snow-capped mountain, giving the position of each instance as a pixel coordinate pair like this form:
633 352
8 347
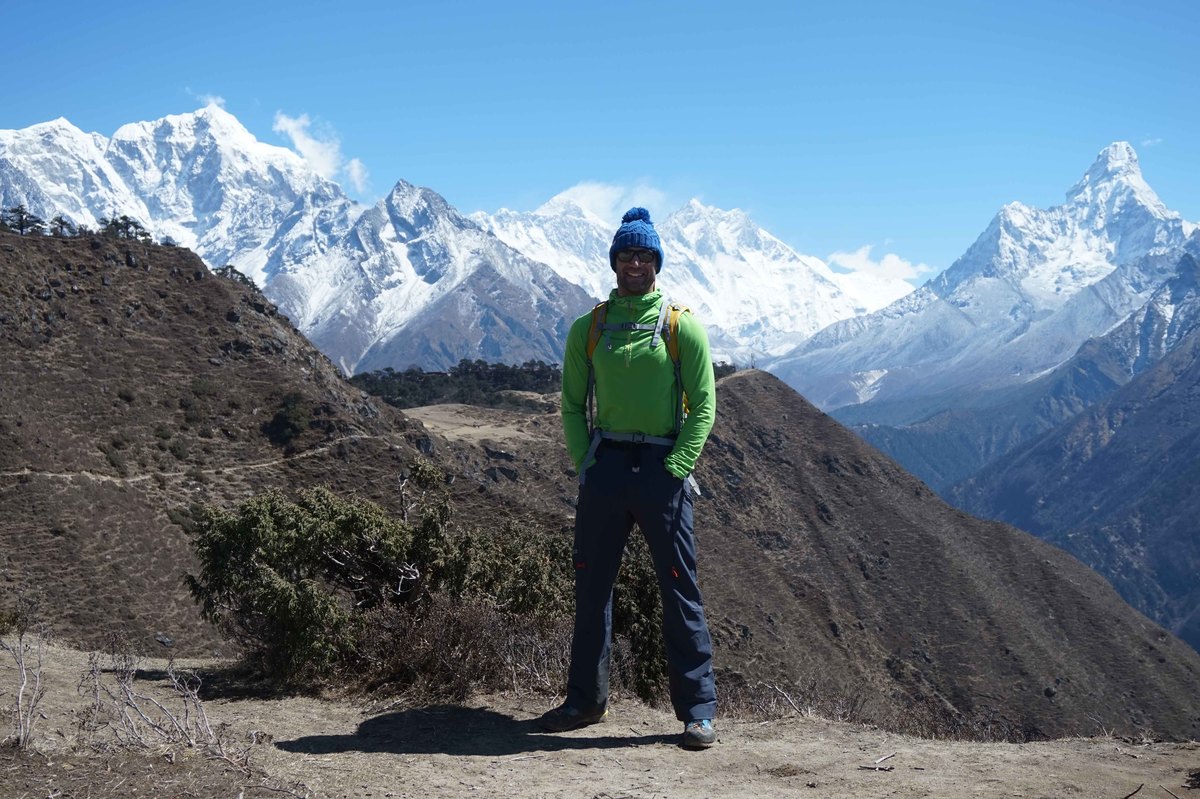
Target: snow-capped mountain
407 281
414 282
758 297
1020 301
200 178
400 283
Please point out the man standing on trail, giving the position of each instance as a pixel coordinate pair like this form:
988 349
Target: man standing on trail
645 361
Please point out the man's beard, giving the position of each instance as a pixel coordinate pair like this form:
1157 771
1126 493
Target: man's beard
636 285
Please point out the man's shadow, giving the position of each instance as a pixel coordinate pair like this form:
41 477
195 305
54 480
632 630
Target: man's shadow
453 730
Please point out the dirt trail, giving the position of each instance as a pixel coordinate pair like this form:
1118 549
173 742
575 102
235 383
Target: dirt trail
232 469
490 747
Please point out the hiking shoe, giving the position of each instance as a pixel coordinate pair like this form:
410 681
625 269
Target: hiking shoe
565 717
699 734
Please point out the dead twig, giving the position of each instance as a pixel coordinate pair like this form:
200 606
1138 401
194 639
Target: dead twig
288 791
1168 790
885 757
140 721
29 689
1135 790
789 700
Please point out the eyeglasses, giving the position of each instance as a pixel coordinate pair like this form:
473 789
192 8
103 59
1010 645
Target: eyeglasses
643 256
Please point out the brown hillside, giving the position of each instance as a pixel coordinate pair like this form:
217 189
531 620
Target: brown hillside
826 566
132 382
851 572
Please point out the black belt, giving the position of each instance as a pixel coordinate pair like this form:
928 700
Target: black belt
628 445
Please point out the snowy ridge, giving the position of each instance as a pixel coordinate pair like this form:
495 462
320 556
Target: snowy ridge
1033 287
358 280
409 280
757 296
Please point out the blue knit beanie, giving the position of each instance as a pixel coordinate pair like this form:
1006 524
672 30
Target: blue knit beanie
636 230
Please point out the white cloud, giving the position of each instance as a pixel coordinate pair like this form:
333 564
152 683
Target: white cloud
205 99
1151 142
608 202
321 149
323 156
890 266
357 173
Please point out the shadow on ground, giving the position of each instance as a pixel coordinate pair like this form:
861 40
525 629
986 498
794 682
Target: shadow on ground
454 730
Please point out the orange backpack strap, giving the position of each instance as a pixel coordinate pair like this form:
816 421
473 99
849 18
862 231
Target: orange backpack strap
599 313
671 336
671 333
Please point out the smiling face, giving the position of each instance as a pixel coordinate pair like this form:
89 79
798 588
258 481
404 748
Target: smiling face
635 271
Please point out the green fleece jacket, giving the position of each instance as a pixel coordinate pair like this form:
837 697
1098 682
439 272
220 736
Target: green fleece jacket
635 386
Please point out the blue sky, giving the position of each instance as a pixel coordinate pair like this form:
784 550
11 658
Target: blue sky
899 127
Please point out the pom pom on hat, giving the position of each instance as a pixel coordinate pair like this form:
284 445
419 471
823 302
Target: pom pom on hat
636 230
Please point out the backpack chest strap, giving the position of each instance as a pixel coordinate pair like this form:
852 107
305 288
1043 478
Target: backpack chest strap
606 328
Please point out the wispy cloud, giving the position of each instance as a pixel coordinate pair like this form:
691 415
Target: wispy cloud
1151 142
889 266
322 149
357 173
205 99
608 201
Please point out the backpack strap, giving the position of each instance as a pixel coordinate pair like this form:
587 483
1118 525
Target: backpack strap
671 331
658 327
671 336
599 313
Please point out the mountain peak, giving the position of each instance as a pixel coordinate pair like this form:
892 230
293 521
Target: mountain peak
216 118
58 124
696 211
1116 160
568 204
1115 173
211 123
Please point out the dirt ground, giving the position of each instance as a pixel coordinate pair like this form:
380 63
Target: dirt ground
490 746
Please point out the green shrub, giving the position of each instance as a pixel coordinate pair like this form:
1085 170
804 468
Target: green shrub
193 411
283 578
179 449
292 419
319 585
637 618
205 387
116 459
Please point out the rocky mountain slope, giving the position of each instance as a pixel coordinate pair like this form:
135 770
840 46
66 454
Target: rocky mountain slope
1022 454
135 382
954 444
1116 487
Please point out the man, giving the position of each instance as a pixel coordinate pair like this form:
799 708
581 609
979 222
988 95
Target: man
635 465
